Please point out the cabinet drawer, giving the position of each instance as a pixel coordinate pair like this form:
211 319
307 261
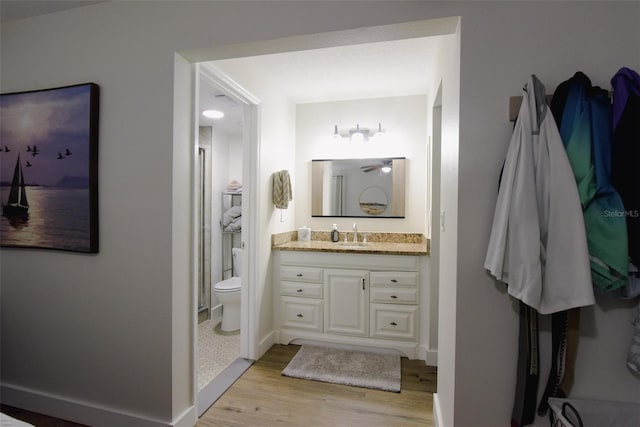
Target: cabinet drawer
301 274
394 321
300 289
301 313
394 295
394 278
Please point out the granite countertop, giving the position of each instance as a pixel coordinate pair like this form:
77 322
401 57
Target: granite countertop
377 243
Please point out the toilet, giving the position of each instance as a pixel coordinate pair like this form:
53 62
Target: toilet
228 293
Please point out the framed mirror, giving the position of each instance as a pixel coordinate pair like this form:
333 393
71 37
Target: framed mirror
359 188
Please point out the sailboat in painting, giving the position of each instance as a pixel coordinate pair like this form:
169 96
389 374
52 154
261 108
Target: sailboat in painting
17 204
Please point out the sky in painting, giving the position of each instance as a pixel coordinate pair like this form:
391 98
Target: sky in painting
56 122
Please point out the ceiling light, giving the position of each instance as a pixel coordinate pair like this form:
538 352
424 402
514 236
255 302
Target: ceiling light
213 114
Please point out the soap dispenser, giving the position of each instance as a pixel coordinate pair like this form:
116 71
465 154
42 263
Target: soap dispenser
334 233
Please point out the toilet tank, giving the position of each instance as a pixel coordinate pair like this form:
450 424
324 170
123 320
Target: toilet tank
236 253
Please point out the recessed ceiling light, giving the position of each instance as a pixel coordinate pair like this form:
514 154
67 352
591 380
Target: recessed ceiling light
213 114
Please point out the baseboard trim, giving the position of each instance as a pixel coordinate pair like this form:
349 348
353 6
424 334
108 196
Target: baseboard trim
429 356
437 413
187 419
82 412
266 343
432 357
407 348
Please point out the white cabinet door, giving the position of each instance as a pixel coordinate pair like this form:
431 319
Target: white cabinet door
301 313
391 321
346 296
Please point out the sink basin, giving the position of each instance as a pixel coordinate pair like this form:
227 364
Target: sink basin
351 245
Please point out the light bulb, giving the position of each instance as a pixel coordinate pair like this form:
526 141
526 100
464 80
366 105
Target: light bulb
379 132
213 114
357 136
336 134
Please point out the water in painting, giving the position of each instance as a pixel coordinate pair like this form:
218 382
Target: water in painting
45 156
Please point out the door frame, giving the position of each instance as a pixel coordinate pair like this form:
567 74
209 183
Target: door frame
354 36
250 173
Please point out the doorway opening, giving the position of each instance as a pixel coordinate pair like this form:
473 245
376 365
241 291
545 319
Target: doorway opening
260 316
219 234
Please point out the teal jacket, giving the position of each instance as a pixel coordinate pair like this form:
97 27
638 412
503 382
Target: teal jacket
583 114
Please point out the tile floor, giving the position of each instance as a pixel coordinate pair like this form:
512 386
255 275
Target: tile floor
215 351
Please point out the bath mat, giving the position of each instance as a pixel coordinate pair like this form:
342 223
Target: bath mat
360 369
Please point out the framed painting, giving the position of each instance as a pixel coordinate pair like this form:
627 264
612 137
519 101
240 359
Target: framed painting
49 168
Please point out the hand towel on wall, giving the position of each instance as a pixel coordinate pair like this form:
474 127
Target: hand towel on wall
282 194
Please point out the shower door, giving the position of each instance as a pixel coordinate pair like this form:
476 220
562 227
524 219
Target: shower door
203 207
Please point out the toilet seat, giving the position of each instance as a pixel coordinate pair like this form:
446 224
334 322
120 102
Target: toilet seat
228 285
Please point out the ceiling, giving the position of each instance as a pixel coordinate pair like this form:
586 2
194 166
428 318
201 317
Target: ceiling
372 70
18 9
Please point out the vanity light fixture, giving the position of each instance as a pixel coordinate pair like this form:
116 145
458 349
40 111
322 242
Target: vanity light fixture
379 133
336 134
386 166
213 114
357 134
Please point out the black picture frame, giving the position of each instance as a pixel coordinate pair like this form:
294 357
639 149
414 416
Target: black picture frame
49 168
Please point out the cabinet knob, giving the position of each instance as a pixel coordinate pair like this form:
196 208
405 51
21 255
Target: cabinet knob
299 290
299 274
299 315
393 324
393 297
394 281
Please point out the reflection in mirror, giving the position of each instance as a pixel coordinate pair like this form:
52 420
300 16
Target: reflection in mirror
365 188
373 201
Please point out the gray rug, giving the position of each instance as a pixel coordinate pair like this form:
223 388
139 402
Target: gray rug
331 365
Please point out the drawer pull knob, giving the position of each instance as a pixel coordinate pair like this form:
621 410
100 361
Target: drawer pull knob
299 274
393 324
393 297
299 290
394 281
299 315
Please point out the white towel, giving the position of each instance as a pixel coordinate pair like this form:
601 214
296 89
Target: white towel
230 215
282 189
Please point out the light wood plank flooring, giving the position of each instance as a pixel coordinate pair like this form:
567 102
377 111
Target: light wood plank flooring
263 397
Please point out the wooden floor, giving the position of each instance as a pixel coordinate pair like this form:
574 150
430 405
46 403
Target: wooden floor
263 397
36 419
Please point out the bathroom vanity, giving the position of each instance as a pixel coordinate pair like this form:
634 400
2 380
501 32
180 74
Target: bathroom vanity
373 295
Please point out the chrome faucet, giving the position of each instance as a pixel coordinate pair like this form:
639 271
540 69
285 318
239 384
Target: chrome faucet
355 233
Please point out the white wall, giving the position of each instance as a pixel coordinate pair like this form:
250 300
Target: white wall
404 118
109 332
235 157
277 132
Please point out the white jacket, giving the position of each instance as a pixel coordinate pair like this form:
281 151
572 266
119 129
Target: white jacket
538 244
